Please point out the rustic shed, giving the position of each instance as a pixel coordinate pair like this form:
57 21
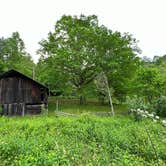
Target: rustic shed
19 94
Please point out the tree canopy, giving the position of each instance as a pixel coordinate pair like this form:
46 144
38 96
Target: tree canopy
14 56
80 49
79 53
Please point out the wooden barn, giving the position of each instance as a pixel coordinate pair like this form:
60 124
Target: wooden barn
20 95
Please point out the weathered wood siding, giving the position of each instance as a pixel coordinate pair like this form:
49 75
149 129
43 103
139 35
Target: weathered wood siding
14 109
18 90
19 96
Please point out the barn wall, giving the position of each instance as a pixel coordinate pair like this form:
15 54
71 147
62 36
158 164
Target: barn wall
18 90
22 109
20 96
14 109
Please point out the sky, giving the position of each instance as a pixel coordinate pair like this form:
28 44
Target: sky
34 19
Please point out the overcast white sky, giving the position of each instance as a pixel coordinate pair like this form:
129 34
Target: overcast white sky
33 19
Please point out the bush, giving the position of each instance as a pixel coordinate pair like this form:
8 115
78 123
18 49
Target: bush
136 102
160 106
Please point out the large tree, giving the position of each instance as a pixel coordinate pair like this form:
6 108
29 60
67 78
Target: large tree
72 49
81 49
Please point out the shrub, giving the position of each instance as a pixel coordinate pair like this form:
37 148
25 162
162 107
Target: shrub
160 106
136 102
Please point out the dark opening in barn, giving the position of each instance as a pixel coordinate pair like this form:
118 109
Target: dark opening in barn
19 94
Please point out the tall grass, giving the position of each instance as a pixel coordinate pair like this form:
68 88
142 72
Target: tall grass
73 106
50 140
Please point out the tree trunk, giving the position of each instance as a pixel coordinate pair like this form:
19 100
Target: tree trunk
101 99
82 100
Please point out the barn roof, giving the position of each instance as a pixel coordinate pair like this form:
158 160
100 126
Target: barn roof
15 73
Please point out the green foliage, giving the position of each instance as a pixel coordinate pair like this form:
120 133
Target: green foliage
136 102
160 106
160 62
79 49
149 83
14 56
79 141
72 52
48 73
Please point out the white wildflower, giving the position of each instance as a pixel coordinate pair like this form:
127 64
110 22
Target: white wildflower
163 122
132 110
138 109
145 116
141 111
157 117
151 115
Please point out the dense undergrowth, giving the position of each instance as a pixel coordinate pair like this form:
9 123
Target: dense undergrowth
50 140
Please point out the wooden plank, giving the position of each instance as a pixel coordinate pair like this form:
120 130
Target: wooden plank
5 106
23 109
9 109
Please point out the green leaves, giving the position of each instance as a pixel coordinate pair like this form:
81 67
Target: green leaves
71 47
79 141
13 55
81 49
149 83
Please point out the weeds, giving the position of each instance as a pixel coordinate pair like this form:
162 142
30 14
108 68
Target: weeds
48 140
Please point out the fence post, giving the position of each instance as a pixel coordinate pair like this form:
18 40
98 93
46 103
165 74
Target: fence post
57 105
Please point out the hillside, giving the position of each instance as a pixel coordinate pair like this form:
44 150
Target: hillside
84 140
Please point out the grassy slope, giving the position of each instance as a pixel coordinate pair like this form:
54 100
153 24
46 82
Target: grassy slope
85 140
50 140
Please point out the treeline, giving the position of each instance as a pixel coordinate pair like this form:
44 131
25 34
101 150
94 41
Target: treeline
14 56
80 58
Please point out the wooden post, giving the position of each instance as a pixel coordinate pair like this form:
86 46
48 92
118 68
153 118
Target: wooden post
5 109
57 105
15 108
43 109
9 109
46 106
23 109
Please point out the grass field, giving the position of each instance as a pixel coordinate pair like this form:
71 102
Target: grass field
73 106
48 140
